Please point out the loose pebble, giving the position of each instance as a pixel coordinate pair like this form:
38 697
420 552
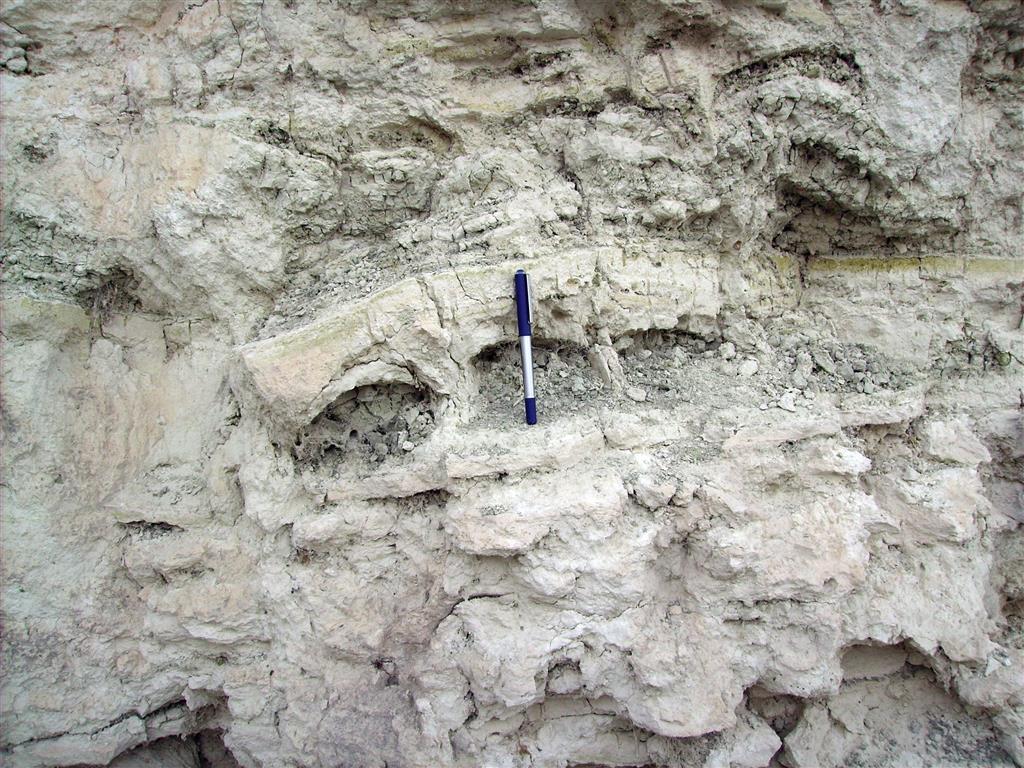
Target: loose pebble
824 361
748 368
636 393
787 402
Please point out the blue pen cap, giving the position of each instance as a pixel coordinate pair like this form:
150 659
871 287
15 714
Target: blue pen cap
523 303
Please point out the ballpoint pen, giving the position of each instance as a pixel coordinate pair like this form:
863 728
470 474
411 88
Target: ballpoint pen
524 317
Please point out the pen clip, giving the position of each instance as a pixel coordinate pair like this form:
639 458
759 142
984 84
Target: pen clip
529 301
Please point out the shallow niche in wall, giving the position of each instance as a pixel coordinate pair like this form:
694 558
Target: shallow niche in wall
368 425
205 749
564 379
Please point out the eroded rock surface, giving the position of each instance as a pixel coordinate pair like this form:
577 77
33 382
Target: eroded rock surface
268 497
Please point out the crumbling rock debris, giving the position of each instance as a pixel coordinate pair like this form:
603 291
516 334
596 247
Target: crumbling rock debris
268 499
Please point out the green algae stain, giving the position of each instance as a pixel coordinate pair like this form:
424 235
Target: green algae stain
930 265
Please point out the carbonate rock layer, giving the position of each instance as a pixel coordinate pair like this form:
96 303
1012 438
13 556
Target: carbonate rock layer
268 497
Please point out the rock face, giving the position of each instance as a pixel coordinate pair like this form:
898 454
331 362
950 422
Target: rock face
268 499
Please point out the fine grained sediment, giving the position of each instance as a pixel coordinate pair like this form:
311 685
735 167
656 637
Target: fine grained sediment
268 500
